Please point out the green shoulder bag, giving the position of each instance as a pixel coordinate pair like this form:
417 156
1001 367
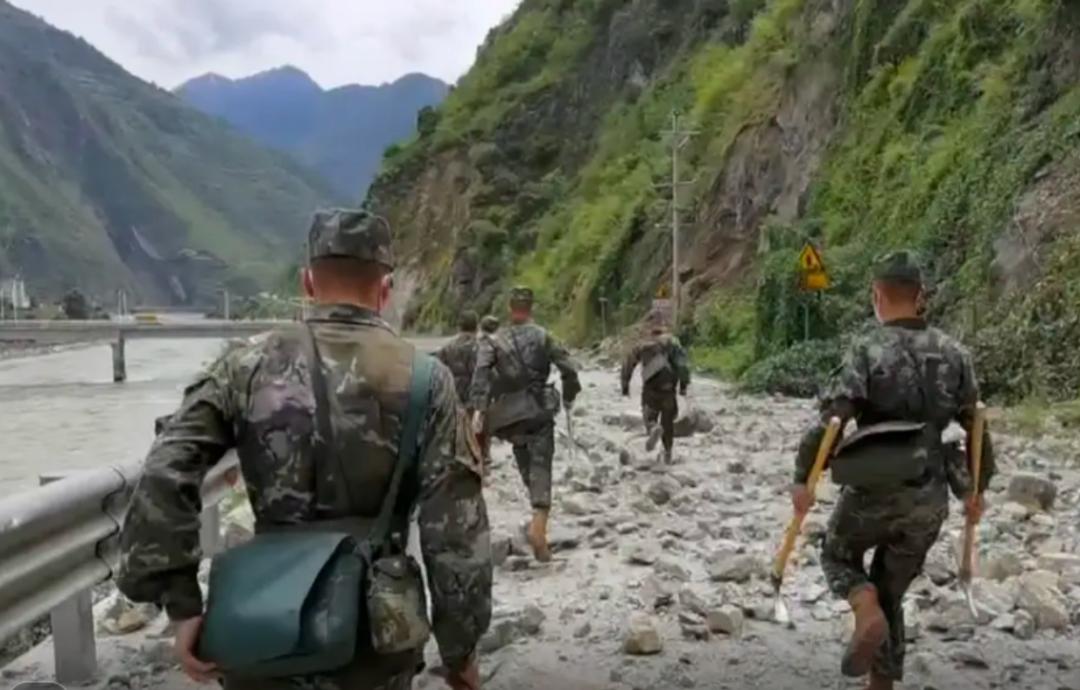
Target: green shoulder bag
292 602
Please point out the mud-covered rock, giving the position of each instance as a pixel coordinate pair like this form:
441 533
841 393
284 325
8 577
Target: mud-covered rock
642 638
1032 490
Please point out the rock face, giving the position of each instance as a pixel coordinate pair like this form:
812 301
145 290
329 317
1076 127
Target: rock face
1032 490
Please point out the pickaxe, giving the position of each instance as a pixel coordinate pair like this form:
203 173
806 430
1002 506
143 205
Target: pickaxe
780 609
967 558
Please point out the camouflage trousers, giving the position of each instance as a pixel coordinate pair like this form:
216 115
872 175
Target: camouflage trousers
900 525
534 451
662 405
399 682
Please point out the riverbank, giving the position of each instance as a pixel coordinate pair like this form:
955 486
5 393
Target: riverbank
23 350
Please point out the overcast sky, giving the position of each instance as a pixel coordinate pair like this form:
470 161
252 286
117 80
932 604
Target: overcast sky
335 41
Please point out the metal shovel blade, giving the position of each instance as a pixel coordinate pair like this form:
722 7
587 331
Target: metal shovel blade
780 611
969 597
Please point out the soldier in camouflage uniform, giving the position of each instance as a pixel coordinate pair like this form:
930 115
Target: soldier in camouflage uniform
258 400
489 325
664 366
531 350
902 371
459 355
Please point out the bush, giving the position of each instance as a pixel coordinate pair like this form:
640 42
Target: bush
801 371
427 121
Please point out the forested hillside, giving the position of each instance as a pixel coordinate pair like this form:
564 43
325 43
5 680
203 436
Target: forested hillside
108 183
952 127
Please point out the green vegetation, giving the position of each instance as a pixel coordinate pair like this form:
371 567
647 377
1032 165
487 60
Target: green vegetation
938 120
109 183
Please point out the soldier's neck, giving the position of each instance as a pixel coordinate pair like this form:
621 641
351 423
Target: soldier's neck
888 313
359 301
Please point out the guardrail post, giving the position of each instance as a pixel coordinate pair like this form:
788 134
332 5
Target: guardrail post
119 364
210 531
74 644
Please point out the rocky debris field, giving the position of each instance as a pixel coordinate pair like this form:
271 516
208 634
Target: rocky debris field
660 576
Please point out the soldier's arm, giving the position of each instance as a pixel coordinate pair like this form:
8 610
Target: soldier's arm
969 398
159 541
454 536
630 363
480 388
560 357
847 391
681 362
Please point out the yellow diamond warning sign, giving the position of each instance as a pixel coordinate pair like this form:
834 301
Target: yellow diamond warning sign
814 275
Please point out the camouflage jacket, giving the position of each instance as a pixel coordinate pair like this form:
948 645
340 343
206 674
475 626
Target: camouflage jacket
901 371
531 346
234 404
459 355
666 346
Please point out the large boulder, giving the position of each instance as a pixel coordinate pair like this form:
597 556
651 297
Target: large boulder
694 421
1001 566
642 638
1039 595
728 620
1032 490
727 566
662 490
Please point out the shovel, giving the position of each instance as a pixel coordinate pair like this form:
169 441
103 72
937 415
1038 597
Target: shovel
967 559
780 609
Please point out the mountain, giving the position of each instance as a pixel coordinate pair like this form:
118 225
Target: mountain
858 125
108 183
341 133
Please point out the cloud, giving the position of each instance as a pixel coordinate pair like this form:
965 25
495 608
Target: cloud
336 41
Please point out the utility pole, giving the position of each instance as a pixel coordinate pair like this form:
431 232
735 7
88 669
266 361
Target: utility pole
226 298
679 138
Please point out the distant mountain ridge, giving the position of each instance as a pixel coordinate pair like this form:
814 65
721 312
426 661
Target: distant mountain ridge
108 182
340 133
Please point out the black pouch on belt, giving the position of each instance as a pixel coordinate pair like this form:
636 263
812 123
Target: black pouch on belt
882 455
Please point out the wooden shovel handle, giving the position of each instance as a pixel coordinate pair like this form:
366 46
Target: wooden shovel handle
832 431
975 449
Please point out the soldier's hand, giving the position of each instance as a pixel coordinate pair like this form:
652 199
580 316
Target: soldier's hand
478 422
467 677
187 641
801 500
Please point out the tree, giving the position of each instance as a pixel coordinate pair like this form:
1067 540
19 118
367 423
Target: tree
75 305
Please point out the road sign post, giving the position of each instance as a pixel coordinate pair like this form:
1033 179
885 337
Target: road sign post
813 278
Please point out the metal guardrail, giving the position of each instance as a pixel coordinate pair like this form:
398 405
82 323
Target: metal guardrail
59 332
60 540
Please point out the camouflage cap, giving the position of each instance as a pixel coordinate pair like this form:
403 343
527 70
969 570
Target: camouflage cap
489 324
521 295
352 234
902 267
